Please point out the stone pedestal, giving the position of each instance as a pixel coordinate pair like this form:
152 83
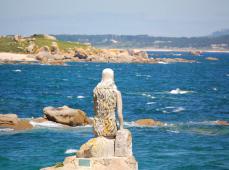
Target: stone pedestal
123 143
101 153
113 163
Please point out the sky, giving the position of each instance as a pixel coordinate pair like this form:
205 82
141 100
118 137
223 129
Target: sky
129 17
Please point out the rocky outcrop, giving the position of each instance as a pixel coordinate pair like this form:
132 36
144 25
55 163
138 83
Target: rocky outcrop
53 56
44 52
195 53
122 56
40 120
54 48
212 58
222 122
66 115
149 122
31 48
97 147
12 121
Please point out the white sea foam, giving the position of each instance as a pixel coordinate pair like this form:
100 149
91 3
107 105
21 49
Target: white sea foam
48 124
130 124
70 97
173 131
150 103
69 151
227 75
80 97
171 109
179 109
6 129
133 124
148 95
17 70
214 88
161 62
179 91
165 111
143 75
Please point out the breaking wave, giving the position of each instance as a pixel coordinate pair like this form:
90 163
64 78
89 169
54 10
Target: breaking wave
161 62
148 95
179 91
17 70
48 124
148 103
171 109
80 97
69 151
6 129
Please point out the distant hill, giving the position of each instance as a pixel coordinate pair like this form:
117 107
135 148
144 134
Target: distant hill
146 41
220 33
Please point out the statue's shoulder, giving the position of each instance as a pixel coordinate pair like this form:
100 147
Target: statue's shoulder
118 92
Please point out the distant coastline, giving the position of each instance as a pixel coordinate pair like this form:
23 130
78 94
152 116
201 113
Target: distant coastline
180 50
46 49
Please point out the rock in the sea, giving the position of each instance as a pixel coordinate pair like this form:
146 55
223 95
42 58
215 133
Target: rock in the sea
8 119
222 122
40 120
97 147
148 122
212 58
13 122
66 115
123 143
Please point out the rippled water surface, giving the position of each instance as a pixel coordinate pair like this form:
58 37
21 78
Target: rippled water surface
191 140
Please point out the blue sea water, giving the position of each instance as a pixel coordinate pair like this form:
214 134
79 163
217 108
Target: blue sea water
190 141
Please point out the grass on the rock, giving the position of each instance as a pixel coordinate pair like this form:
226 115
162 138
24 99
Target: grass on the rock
8 44
59 164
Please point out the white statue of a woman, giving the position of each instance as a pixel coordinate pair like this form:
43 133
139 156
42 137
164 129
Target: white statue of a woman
106 99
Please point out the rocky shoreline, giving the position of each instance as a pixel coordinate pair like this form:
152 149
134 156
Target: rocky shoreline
81 55
54 55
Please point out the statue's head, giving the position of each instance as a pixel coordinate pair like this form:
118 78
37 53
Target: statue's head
107 75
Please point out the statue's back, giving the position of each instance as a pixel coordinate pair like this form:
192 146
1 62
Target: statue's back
105 99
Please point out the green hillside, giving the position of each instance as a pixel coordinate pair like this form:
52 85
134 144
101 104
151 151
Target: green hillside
9 44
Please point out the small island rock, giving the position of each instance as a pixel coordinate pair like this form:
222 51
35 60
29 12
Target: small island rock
222 122
12 121
66 115
212 58
149 122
